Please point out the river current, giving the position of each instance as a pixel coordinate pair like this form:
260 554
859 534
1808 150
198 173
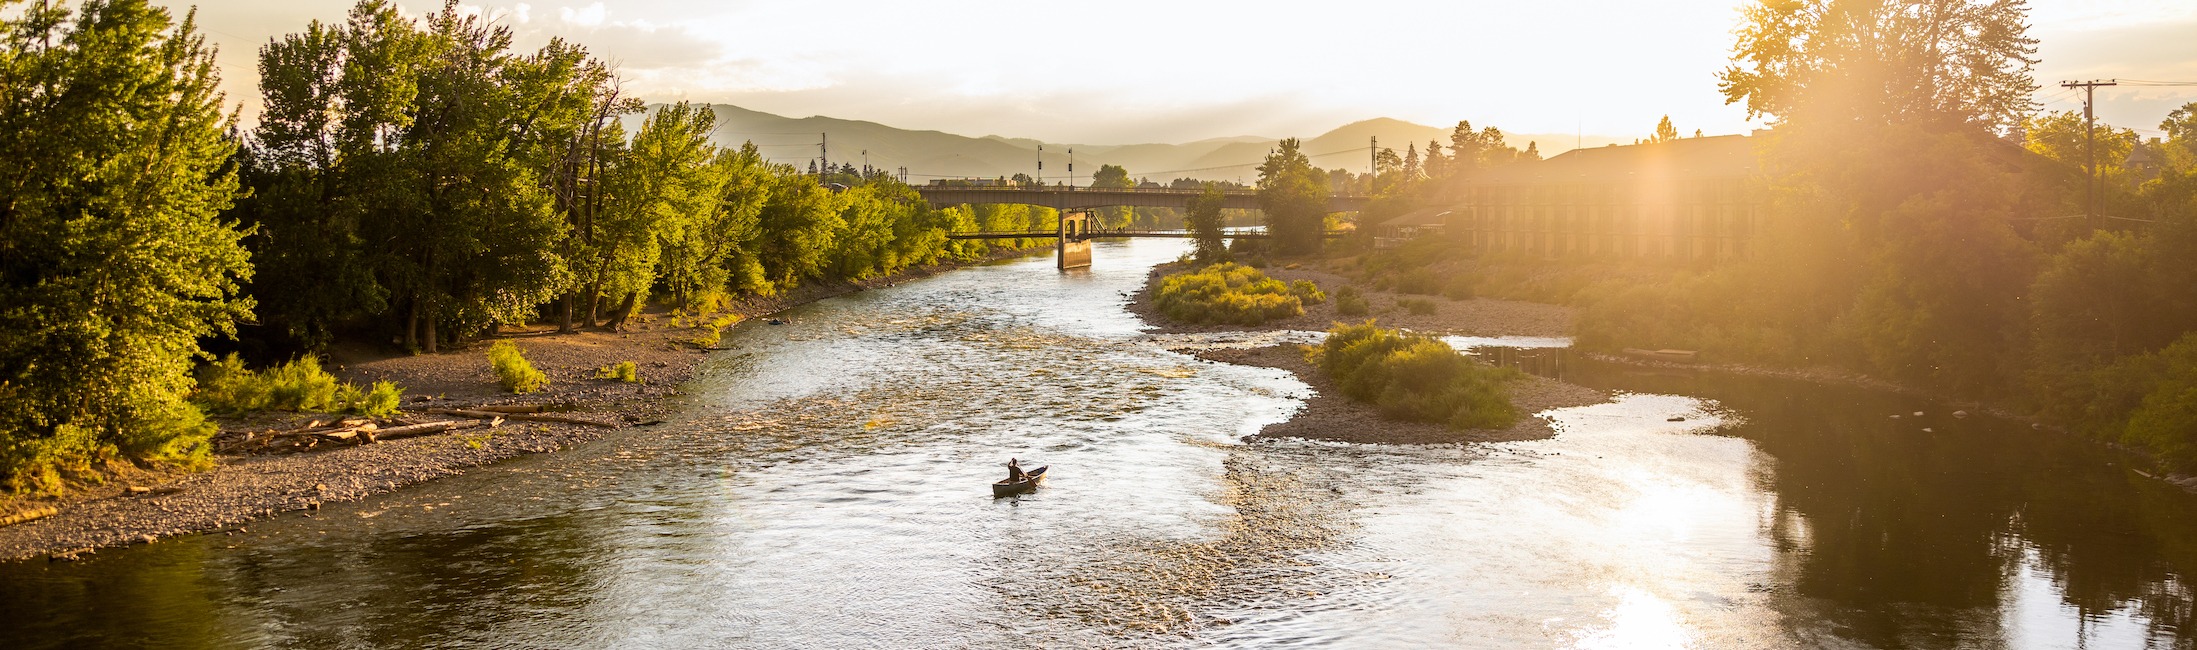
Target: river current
824 486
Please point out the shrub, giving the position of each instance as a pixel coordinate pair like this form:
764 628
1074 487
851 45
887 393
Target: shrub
1227 293
1415 378
226 386
1307 292
1420 306
1349 303
512 369
625 371
1423 282
1458 288
2164 420
380 402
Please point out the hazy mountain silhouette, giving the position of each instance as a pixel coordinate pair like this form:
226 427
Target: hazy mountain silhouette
936 154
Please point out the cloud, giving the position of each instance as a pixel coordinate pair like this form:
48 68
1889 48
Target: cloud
590 16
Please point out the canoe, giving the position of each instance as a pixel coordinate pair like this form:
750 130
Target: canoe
1011 488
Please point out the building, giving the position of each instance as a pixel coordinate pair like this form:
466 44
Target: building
1691 199
1427 222
2142 165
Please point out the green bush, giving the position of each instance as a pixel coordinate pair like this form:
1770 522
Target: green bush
1349 303
1227 293
1458 288
2164 421
226 386
1307 292
1420 306
1415 378
625 371
380 402
1423 282
512 369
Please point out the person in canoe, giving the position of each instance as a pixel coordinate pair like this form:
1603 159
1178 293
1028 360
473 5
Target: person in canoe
1014 471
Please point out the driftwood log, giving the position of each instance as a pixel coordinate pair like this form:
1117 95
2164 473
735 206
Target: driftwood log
395 433
509 408
530 417
28 515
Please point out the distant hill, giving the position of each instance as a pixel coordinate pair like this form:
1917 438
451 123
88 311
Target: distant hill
936 154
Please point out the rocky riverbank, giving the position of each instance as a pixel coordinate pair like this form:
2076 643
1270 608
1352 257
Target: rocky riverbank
137 506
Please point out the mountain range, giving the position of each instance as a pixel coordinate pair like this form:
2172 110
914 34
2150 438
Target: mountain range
936 154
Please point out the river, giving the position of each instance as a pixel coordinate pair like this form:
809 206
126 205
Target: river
824 486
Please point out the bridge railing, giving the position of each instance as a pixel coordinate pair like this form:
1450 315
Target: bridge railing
1043 188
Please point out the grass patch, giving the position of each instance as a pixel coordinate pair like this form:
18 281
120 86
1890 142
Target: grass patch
513 370
226 386
1232 293
1416 378
625 371
1420 306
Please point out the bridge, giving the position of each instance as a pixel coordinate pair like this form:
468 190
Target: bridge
1076 198
1073 235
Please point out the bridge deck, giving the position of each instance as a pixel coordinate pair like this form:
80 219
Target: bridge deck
1109 234
1068 198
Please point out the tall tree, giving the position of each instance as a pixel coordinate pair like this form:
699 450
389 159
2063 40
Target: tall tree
714 253
1883 61
1113 177
1293 195
1205 221
113 261
658 188
1664 131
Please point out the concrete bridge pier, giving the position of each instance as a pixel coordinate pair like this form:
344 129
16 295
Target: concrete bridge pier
1071 248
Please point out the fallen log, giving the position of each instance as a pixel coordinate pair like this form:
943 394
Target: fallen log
28 515
395 433
530 417
346 433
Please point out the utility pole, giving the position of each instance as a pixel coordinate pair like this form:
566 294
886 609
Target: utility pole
865 163
2092 197
823 152
1071 168
1041 165
1373 164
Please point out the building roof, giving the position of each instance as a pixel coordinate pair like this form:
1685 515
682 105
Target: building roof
1721 156
2140 155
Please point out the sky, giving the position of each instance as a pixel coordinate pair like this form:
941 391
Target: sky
1134 71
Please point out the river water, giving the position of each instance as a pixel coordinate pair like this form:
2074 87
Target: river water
825 487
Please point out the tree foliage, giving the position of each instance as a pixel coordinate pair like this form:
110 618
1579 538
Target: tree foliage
1205 223
1885 61
113 258
1294 196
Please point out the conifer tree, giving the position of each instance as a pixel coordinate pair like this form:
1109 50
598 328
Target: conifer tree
113 260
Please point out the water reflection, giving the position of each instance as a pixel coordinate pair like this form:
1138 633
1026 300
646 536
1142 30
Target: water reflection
825 487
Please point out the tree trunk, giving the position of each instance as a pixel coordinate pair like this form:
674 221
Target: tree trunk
594 303
412 327
564 315
430 336
618 320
